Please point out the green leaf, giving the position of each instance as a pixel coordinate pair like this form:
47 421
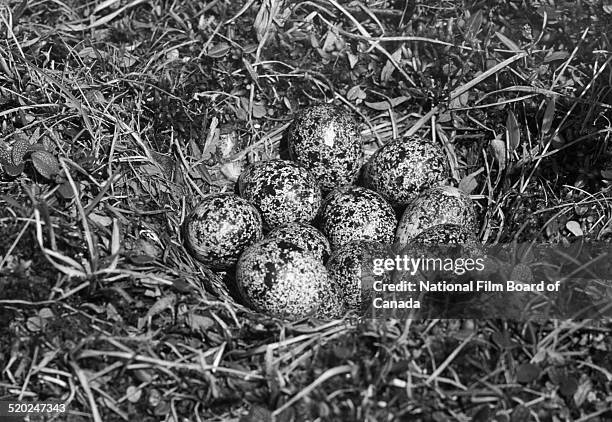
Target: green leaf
45 163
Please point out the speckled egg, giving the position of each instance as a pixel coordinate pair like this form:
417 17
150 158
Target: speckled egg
305 236
326 140
437 205
445 234
356 213
353 272
282 191
404 167
220 228
281 279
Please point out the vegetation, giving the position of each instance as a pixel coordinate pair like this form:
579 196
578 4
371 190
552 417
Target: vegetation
116 116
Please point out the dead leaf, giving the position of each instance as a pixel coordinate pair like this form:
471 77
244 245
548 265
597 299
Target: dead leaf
199 322
166 302
574 228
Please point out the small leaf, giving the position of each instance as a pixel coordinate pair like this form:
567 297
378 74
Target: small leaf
473 26
355 93
259 110
199 322
133 394
607 174
549 113
527 372
389 67
5 154
512 131
386 105
13 170
20 149
65 190
556 55
499 151
217 51
574 228
468 184
45 163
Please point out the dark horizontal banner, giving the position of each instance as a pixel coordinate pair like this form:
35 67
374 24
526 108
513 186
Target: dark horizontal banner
510 281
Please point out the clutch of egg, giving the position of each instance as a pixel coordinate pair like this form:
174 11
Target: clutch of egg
296 270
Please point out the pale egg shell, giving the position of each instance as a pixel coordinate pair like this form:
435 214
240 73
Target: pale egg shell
325 139
218 230
282 191
437 205
404 167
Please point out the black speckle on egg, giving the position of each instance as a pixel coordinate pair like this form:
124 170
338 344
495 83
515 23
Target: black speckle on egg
402 168
220 228
445 234
305 236
353 272
283 192
356 213
326 140
281 279
437 205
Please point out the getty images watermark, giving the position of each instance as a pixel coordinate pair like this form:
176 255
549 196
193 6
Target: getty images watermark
505 281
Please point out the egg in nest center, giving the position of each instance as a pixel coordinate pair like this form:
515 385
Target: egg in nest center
283 191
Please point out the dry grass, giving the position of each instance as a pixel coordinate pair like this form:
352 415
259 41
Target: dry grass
117 116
